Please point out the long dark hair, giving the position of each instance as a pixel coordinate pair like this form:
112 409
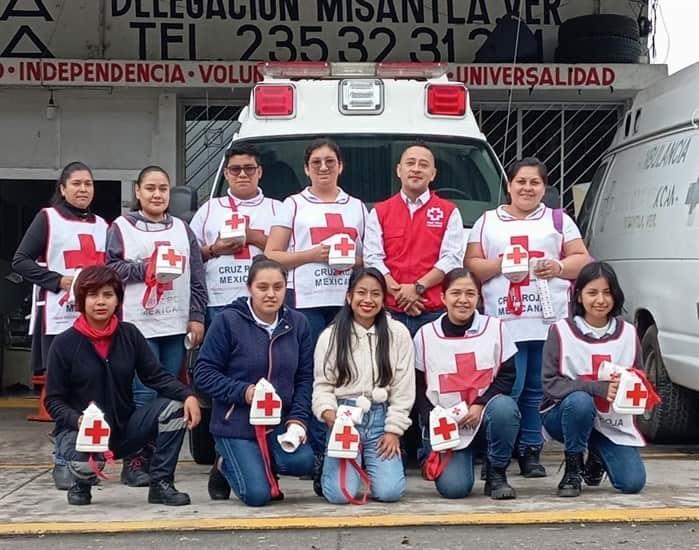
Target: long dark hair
598 270
68 170
343 330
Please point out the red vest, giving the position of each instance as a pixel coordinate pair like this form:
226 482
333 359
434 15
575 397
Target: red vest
412 245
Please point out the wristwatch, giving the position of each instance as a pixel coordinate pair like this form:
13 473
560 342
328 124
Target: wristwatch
419 288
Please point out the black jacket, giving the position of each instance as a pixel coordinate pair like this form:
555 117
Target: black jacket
76 375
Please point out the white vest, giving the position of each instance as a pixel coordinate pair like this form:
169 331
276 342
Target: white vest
171 314
581 359
316 284
71 244
541 239
461 369
226 276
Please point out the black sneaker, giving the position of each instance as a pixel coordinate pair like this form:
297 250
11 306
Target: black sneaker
218 485
61 477
496 485
571 483
318 474
594 470
529 465
164 492
79 494
134 471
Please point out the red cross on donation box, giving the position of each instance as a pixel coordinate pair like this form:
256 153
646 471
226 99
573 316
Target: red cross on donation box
468 380
86 255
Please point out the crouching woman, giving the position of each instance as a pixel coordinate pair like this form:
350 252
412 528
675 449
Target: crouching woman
365 359
258 337
96 360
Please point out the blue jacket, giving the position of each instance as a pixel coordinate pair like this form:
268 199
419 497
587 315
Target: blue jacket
237 353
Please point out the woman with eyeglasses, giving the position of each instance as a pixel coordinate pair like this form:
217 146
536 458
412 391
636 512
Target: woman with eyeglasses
228 260
298 241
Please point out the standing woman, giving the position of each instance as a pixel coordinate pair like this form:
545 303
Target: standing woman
468 357
305 220
365 353
63 238
258 337
553 239
164 313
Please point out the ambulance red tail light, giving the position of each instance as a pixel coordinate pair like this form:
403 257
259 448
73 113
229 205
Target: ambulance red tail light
274 100
446 100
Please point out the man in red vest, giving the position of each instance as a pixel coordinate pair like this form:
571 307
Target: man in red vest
414 238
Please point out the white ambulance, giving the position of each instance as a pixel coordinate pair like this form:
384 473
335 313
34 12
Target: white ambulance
640 214
373 111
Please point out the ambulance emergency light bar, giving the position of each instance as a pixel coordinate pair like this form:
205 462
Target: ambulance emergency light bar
360 90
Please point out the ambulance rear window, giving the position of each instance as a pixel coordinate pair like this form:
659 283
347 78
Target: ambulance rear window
467 172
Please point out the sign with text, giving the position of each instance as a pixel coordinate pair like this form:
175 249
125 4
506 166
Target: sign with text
208 74
277 30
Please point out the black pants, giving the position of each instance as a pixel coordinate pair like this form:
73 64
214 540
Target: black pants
159 422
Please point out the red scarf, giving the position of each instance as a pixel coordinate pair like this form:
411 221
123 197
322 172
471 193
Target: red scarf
100 338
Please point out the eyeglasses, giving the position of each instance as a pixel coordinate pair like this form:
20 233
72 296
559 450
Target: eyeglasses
235 170
330 163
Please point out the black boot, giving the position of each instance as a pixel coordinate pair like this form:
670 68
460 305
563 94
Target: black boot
593 472
61 477
571 484
79 494
318 474
529 465
163 491
496 486
218 484
134 471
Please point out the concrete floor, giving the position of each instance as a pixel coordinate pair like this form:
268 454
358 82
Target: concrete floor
29 503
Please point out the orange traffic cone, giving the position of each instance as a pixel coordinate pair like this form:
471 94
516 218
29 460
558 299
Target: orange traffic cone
42 414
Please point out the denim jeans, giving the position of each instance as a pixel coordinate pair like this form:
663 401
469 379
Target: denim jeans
170 352
211 312
159 422
244 470
387 476
528 391
499 426
572 421
414 323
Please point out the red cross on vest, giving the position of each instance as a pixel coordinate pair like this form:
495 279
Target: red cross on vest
269 404
600 402
637 394
467 380
96 432
86 255
345 246
335 225
445 428
523 241
172 257
347 438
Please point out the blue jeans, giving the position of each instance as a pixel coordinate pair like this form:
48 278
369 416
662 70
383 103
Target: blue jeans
211 312
572 421
169 350
414 323
529 392
501 424
387 476
244 470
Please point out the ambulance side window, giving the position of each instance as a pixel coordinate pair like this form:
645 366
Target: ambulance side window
588 206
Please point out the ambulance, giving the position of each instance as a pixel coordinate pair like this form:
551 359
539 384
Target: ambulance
373 111
640 214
